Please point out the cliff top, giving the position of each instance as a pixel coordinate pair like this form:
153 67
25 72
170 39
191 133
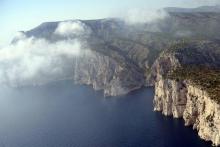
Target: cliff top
206 78
195 61
196 53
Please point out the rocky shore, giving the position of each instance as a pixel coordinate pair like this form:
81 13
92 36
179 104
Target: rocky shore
183 96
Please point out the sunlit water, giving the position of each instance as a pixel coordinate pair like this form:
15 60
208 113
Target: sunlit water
62 114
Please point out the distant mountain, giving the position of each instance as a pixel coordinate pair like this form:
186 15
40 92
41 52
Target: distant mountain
215 9
116 44
138 44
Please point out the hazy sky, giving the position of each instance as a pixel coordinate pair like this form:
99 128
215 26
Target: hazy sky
19 15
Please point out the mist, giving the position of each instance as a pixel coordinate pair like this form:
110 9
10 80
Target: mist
206 2
69 28
34 61
140 16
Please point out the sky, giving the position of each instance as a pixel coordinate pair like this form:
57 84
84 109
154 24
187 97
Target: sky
21 15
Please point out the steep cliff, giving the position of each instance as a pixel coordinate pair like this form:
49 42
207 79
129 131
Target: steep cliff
104 72
203 113
121 55
187 85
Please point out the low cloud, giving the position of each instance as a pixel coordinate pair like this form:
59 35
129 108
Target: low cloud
36 61
196 3
185 33
69 28
20 35
138 16
207 2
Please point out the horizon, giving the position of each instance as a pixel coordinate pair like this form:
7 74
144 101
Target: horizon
48 11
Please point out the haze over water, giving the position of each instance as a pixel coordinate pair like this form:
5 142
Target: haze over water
62 114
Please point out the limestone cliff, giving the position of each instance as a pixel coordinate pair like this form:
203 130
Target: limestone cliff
170 97
190 98
104 72
203 113
182 99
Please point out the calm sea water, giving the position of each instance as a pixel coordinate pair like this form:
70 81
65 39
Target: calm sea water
62 114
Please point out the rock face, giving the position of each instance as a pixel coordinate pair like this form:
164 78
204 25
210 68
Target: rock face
203 113
170 97
182 98
103 72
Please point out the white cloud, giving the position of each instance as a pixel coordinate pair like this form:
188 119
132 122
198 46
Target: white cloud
19 35
30 60
207 2
36 61
183 33
135 16
196 3
69 28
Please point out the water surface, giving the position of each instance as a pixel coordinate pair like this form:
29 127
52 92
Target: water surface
62 114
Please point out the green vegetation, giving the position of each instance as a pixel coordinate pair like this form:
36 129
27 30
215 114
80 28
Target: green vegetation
206 78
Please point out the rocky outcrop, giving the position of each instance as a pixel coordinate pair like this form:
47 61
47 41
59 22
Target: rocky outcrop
170 97
104 72
203 113
181 98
